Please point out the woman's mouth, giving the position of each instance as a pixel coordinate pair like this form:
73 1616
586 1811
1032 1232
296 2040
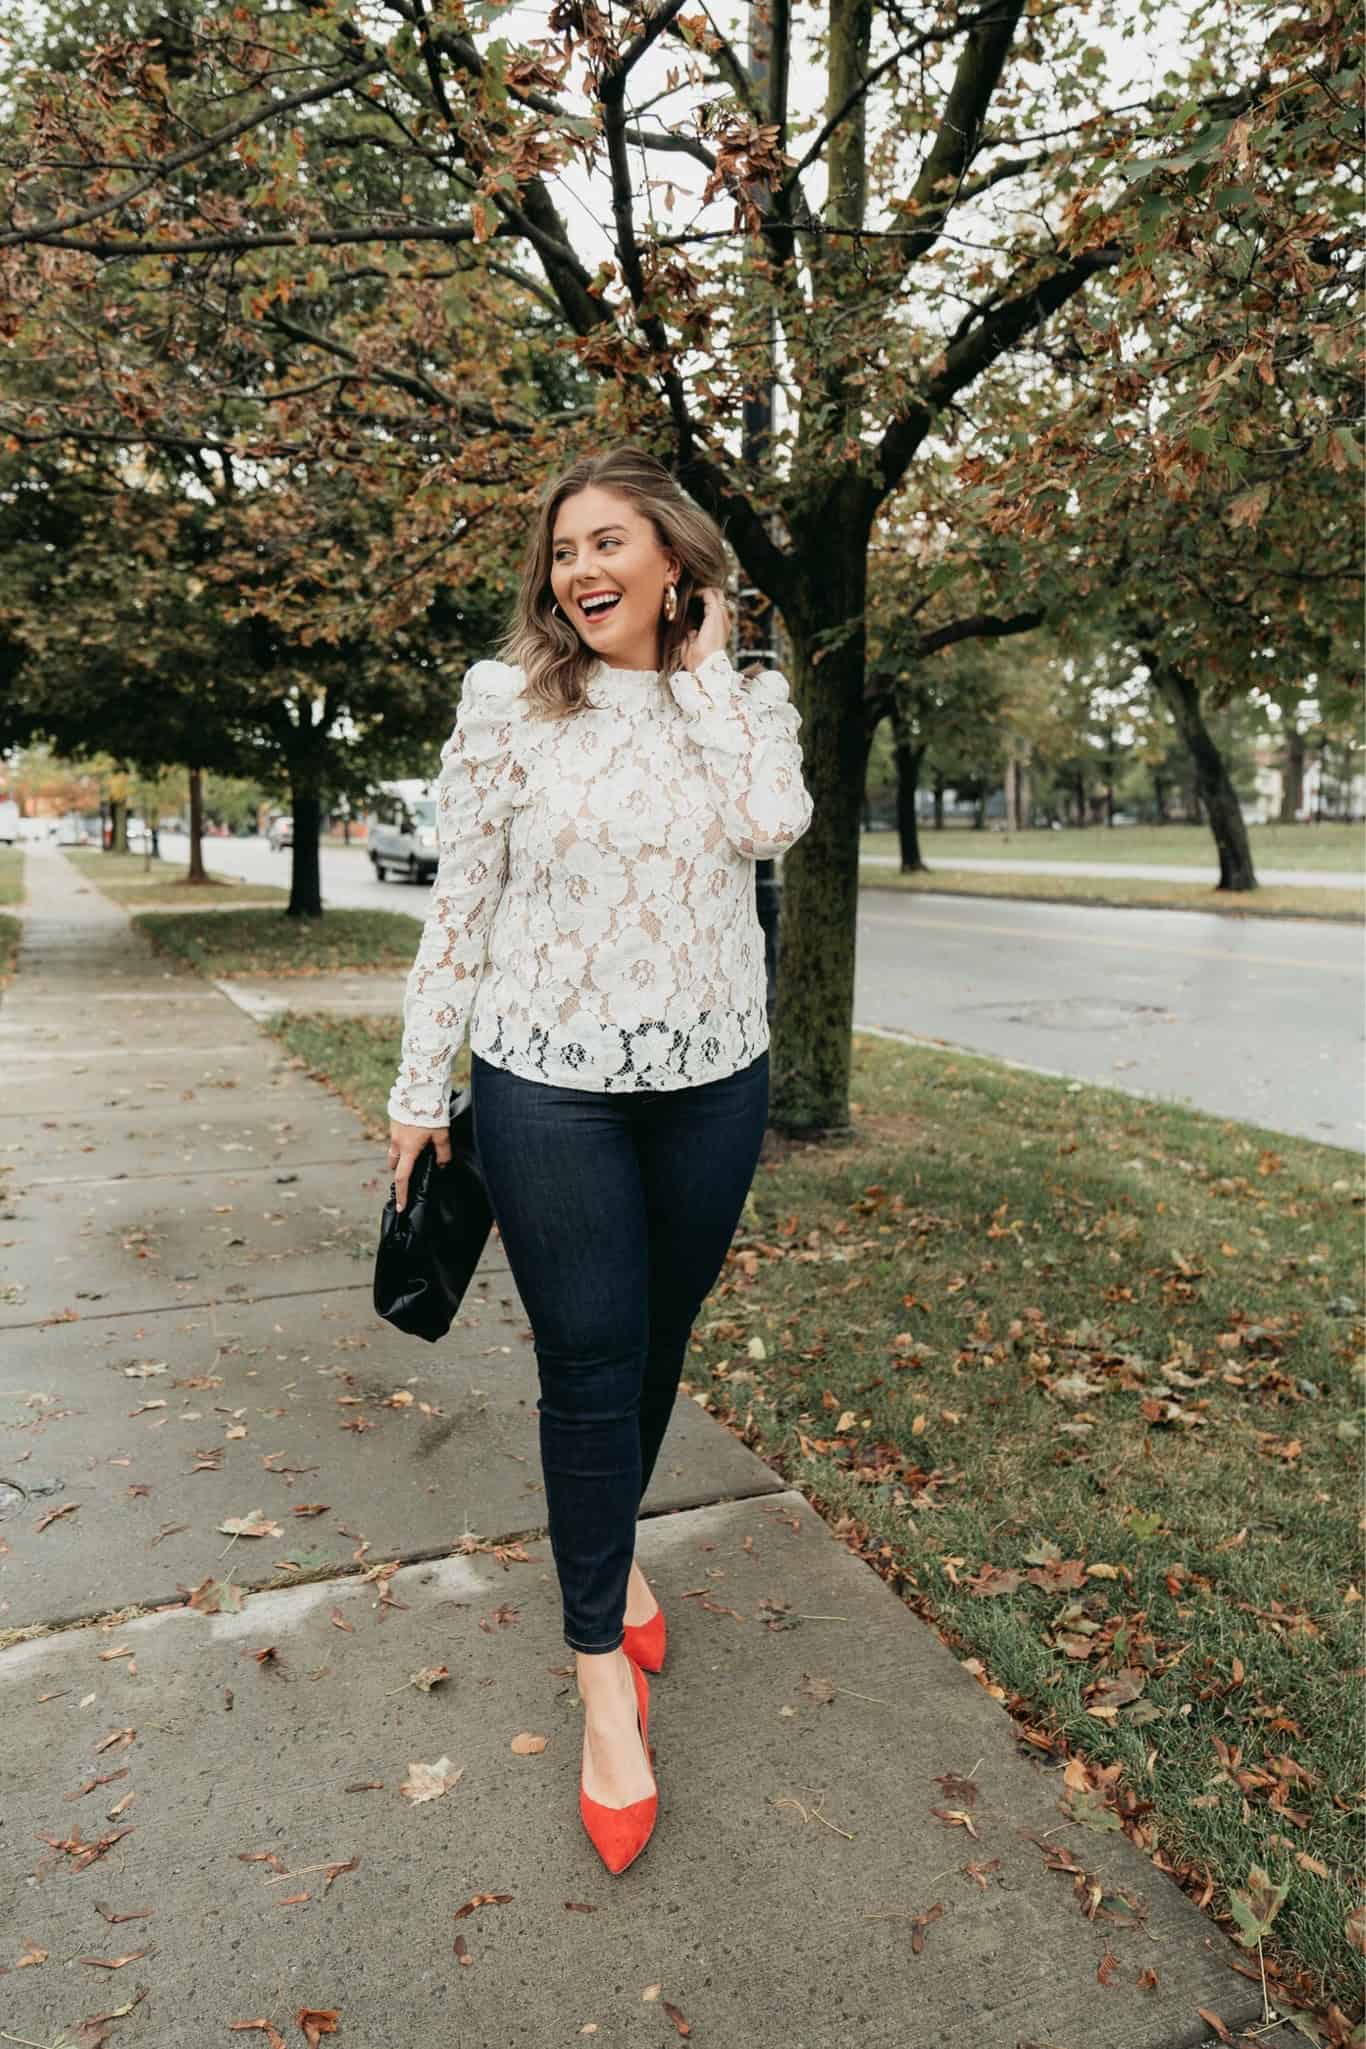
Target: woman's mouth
598 604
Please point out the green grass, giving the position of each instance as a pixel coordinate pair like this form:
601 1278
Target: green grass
1017 1326
11 875
1339 848
10 929
1282 900
266 942
356 1056
133 880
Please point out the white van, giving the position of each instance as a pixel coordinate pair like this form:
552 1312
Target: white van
9 821
401 832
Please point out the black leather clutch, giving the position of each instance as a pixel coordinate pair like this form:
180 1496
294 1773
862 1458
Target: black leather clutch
427 1254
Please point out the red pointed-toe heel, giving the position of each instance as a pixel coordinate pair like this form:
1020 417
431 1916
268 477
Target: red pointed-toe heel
645 1642
619 1834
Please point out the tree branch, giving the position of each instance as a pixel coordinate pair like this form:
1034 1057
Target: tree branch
55 230
967 357
977 626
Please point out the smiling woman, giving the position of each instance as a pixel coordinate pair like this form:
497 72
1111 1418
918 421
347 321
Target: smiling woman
609 785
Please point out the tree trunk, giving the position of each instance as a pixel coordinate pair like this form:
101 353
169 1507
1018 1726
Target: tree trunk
1079 795
908 758
813 1020
1010 789
1292 777
196 872
118 825
1213 786
979 812
938 801
305 871
1160 797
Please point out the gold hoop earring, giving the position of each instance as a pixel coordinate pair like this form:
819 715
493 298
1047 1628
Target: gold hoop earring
670 602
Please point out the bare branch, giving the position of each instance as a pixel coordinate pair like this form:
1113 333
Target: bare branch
977 626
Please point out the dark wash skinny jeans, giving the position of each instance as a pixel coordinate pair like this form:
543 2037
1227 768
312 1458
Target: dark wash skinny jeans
616 1213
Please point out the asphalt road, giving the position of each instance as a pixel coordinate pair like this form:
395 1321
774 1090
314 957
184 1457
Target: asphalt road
1258 1019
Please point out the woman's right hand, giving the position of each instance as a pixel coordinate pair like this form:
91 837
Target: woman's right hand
405 1144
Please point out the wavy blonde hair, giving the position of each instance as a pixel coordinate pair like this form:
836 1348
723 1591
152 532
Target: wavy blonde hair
555 661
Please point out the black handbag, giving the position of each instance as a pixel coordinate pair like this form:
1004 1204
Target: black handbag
427 1254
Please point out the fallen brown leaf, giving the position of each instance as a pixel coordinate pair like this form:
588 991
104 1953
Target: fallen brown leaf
255 1524
526 1745
683 2027
67 1508
482 1899
317 2022
277 2040
1212 2020
960 1792
91 1785
115 1963
429 1676
955 1817
1105 1970
430 1781
920 1922
134 1914
32 1955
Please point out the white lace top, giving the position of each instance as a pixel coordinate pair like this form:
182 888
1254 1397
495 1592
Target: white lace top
592 918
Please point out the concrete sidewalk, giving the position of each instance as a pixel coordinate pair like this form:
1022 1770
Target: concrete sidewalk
188 1341
1141 871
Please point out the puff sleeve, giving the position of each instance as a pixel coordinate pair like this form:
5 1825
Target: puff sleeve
746 733
477 791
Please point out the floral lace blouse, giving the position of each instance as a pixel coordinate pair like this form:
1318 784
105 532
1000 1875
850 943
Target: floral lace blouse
593 918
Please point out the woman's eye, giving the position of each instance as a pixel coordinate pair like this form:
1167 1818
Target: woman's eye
610 541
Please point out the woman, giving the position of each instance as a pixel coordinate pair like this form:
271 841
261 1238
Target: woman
602 800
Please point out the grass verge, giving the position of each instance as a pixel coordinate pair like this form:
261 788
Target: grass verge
11 875
1080 1377
357 1057
265 942
1338 848
131 880
1280 900
10 929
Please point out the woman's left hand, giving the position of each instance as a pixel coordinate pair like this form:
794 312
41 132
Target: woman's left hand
712 636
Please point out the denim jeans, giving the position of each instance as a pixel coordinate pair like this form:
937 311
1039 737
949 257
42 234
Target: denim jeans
616 1214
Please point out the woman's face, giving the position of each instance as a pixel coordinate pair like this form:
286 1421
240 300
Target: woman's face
602 546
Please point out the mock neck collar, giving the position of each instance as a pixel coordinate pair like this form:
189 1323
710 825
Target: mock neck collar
604 674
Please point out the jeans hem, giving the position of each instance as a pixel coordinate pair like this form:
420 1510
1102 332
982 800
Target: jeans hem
595 1649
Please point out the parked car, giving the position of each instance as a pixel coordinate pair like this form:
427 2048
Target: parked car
139 835
401 835
9 821
280 833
